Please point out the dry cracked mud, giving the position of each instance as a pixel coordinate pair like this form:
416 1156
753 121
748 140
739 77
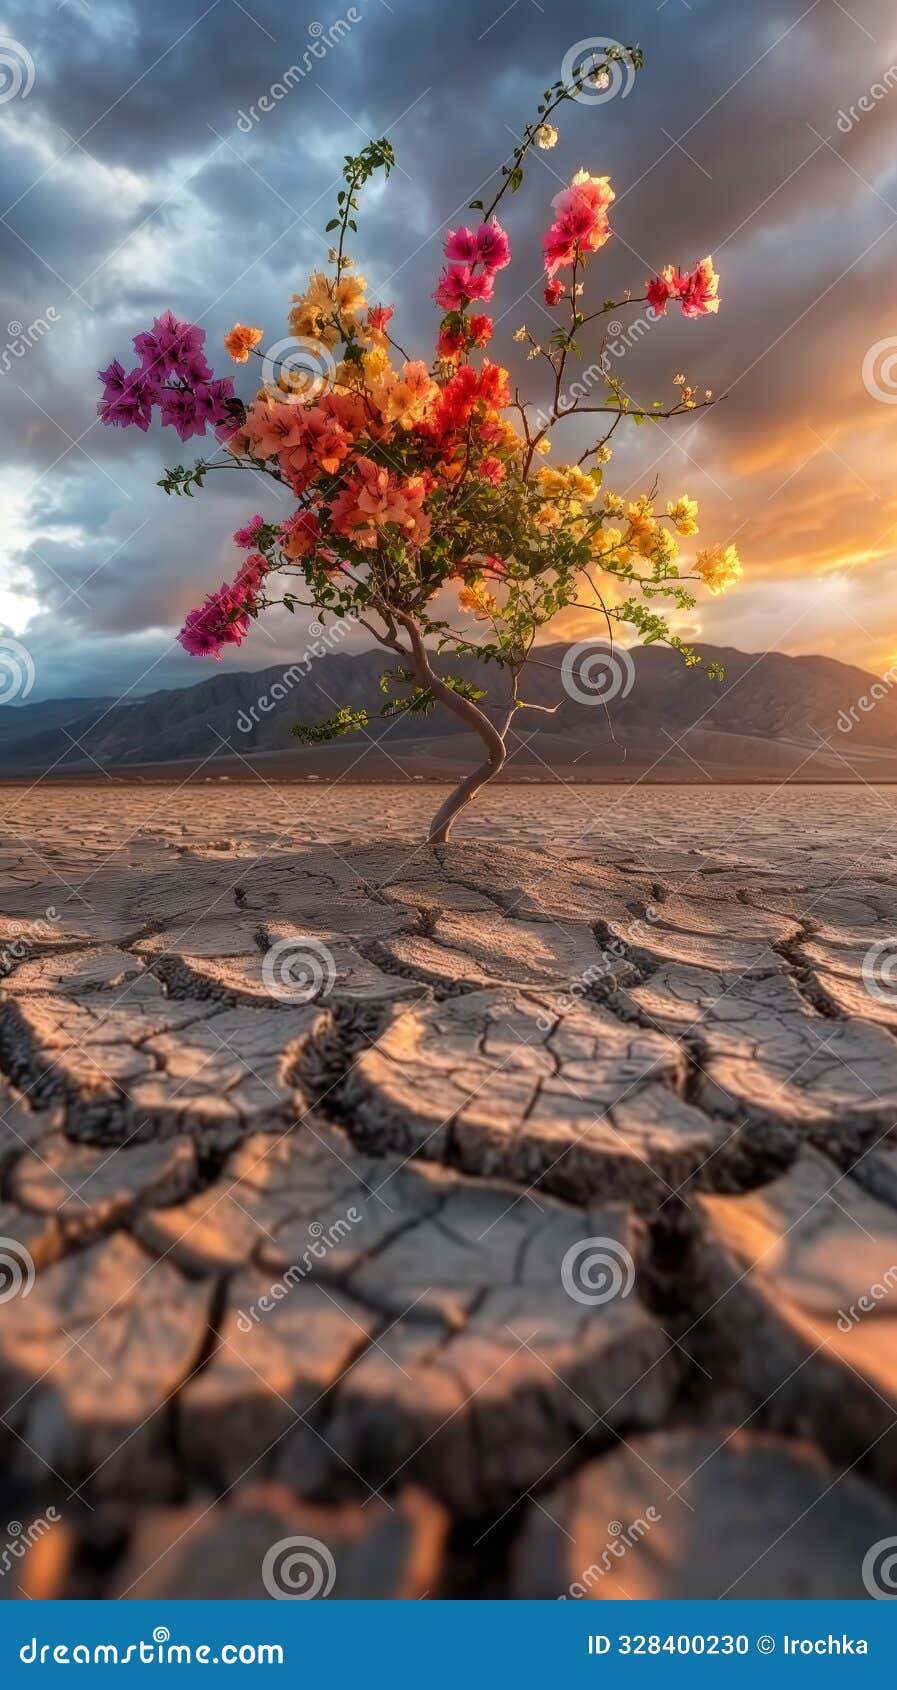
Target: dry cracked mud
515 1217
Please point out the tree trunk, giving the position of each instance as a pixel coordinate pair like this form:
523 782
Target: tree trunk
493 737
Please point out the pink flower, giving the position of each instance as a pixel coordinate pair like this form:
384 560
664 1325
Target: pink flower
662 289
698 294
554 291
696 291
169 343
493 247
127 398
198 636
492 469
559 248
461 246
224 619
247 536
458 283
580 223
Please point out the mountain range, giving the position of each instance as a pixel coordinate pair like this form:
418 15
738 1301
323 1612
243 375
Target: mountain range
771 717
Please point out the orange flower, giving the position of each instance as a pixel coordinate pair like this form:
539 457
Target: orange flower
240 341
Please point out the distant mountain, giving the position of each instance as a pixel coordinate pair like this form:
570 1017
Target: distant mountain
808 718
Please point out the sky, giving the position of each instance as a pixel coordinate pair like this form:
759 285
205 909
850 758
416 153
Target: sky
138 171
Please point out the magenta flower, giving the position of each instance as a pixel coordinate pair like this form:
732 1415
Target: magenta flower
461 246
127 399
493 247
169 343
248 536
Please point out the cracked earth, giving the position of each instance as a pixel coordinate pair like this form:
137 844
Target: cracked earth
637 1017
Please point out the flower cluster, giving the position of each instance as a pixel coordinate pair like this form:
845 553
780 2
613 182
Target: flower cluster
174 374
419 485
474 257
581 223
695 290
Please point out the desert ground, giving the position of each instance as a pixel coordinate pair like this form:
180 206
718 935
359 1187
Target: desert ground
512 1218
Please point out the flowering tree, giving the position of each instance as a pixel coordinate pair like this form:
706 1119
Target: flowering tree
412 476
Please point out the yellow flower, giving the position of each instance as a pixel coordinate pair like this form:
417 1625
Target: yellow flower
476 598
580 485
683 512
519 334
546 136
327 308
613 504
543 446
642 526
567 482
719 567
240 341
550 482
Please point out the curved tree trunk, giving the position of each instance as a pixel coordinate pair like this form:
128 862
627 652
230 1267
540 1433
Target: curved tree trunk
493 737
